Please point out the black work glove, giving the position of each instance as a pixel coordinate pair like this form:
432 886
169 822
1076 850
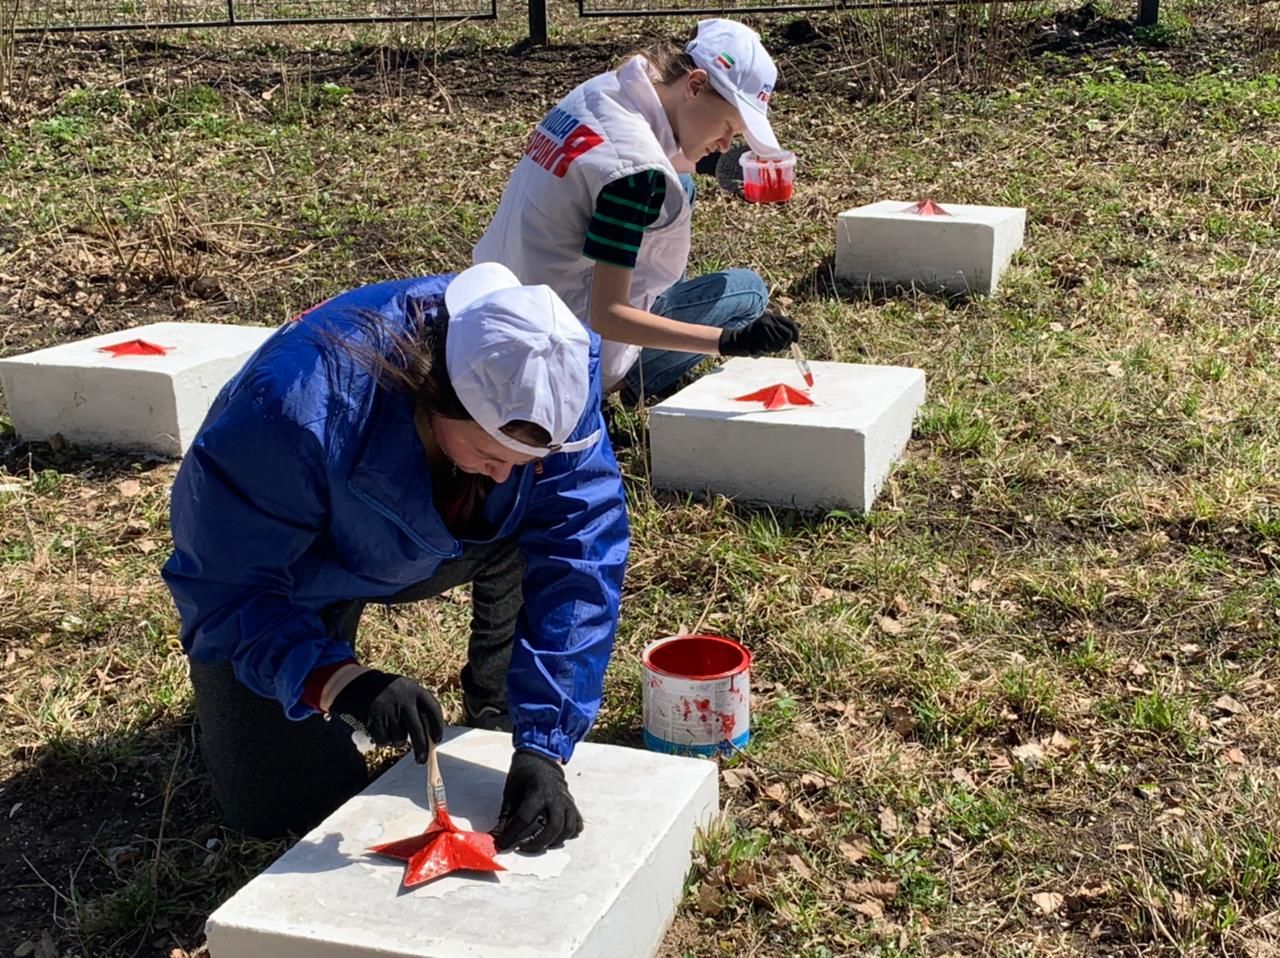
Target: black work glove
769 333
390 708
537 809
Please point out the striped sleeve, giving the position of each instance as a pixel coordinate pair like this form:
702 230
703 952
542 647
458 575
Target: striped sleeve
624 209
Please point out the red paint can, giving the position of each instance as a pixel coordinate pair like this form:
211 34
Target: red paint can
697 695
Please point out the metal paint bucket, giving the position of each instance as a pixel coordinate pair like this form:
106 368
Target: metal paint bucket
697 695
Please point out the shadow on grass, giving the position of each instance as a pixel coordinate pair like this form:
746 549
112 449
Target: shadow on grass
113 843
21 458
821 283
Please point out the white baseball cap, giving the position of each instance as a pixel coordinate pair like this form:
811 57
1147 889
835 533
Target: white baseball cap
517 352
742 72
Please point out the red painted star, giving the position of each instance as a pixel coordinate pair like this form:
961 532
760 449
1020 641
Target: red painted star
441 849
776 397
928 208
134 347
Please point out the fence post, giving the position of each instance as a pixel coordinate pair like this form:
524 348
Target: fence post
538 23
1148 12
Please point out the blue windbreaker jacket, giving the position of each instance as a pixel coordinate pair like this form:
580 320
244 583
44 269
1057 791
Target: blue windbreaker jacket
307 485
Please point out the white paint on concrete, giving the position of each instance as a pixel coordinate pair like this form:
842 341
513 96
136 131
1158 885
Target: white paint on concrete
886 243
610 893
835 454
153 403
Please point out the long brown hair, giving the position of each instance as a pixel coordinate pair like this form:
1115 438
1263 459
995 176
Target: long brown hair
412 360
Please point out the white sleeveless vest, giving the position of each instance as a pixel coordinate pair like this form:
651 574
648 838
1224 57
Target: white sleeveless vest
611 126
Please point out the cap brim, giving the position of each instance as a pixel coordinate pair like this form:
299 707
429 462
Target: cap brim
541 452
475 283
758 132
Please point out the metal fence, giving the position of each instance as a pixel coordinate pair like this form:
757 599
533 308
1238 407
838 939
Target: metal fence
655 8
39 16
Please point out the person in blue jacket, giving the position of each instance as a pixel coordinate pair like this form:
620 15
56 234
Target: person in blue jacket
392 443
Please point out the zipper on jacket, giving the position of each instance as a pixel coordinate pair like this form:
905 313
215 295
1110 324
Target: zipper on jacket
422 543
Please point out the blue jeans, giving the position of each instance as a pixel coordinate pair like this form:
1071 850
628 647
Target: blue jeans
725 300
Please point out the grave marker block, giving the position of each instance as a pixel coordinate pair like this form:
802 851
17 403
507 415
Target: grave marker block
147 388
935 247
834 454
609 893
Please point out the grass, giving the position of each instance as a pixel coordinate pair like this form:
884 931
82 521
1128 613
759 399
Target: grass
1024 707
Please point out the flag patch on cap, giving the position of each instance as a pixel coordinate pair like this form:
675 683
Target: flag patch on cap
765 92
725 61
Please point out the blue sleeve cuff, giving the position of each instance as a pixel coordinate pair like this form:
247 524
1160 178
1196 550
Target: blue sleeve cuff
282 673
290 690
552 743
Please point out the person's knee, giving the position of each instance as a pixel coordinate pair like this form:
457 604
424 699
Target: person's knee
747 284
264 822
270 776
262 803
267 823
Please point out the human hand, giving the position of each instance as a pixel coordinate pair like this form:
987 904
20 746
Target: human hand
537 809
390 708
769 333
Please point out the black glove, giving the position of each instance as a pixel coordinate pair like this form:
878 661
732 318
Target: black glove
769 333
537 809
390 708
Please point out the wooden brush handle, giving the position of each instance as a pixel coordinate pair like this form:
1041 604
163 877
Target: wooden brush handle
435 783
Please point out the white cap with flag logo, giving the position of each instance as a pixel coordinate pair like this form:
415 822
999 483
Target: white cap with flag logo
517 353
742 72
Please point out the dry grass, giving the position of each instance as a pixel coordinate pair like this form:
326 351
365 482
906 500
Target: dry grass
1025 707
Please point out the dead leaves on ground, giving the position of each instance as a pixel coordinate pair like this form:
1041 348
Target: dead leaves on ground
800 802
1048 901
889 626
902 720
854 851
796 802
757 883
1035 753
869 898
1074 905
888 821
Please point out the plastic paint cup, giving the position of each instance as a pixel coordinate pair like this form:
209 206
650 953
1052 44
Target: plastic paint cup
768 181
697 695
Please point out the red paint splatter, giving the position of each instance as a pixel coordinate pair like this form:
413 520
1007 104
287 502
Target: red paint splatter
688 709
928 208
778 396
134 347
728 722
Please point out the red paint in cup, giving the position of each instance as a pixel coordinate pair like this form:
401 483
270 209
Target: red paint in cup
768 180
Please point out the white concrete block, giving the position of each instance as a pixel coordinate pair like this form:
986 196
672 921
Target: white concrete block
609 893
889 243
834 454
145 402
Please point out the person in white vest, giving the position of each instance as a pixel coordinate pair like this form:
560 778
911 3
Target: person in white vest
599 208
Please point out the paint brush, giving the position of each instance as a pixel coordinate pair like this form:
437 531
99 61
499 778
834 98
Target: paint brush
804 366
